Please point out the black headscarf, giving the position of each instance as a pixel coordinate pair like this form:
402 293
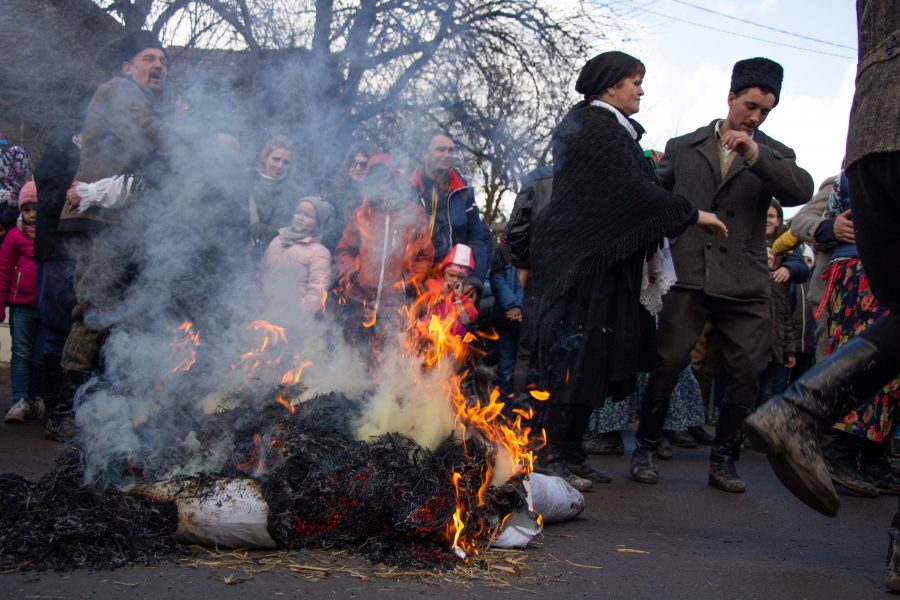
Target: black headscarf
605 71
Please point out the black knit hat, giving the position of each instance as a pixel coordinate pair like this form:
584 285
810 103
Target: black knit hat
757 72
136 42
605 71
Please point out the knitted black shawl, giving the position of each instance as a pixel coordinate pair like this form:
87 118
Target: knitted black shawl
606 205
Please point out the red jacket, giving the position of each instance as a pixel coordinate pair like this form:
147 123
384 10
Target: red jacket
405 256
18 273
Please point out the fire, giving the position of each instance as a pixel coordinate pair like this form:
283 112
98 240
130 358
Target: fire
185 348
182 351
429 336
457 526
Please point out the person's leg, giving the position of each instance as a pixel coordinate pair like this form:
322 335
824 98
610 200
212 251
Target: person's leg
23 325
575 455
767 383
20 354
787 427
506 359
36 386
685 411
745 331
681 322
551 460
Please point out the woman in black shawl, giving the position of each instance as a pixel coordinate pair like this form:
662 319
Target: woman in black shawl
590 335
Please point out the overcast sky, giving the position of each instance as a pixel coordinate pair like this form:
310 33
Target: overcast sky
689 68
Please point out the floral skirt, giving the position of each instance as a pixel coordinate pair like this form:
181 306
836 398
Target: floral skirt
852 309
685 408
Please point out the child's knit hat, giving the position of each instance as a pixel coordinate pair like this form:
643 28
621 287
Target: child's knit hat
28 194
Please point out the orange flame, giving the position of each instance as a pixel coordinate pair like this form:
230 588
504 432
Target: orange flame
186 347
429 335
539 395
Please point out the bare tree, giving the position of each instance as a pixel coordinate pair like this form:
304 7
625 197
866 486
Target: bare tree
325 69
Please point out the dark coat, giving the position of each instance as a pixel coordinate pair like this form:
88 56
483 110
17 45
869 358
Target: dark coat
537 189
457 221
52 176
590 333
735 267
783 342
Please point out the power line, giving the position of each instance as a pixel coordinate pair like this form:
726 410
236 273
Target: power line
743 35
740 20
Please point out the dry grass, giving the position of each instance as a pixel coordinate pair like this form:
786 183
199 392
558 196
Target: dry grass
493 568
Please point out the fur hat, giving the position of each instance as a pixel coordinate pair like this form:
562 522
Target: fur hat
28 194
136 42
605 71
757 72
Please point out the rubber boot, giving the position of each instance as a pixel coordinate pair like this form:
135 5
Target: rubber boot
59 425
843 458
722 472
787 427
551 461
643 467
892 580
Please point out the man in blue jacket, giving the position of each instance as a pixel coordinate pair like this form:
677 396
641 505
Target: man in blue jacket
449 204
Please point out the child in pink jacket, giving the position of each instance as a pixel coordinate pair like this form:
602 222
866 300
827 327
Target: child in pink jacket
18 289
296 269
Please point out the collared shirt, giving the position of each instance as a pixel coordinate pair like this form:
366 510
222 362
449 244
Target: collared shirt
726 156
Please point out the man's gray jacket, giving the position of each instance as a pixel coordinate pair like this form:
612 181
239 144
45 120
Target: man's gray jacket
735 267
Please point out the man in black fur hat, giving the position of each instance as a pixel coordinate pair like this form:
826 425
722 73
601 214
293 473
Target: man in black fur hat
123 132
730 168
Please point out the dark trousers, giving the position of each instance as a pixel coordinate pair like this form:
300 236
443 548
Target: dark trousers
507 344
773 381
875 201
875 196
565 425
56 299
745 334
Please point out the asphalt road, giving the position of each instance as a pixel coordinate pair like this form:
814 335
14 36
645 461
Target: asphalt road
678 539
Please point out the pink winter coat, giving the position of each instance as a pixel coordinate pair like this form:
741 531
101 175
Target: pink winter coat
297 275
18 273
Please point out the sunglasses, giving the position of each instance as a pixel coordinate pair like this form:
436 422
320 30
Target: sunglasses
359 164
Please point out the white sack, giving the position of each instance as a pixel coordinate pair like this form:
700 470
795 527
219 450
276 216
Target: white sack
553 498
230 513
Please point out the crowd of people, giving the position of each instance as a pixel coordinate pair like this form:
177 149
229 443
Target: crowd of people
659 288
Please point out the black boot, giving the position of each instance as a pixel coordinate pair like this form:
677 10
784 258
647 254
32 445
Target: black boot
59 425
551 462
643 468
842 459
787 427
680 439
722 472
699 434
664 448
609 442
879 473
892 581
726 449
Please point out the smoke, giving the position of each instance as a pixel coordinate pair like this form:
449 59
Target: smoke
182 249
